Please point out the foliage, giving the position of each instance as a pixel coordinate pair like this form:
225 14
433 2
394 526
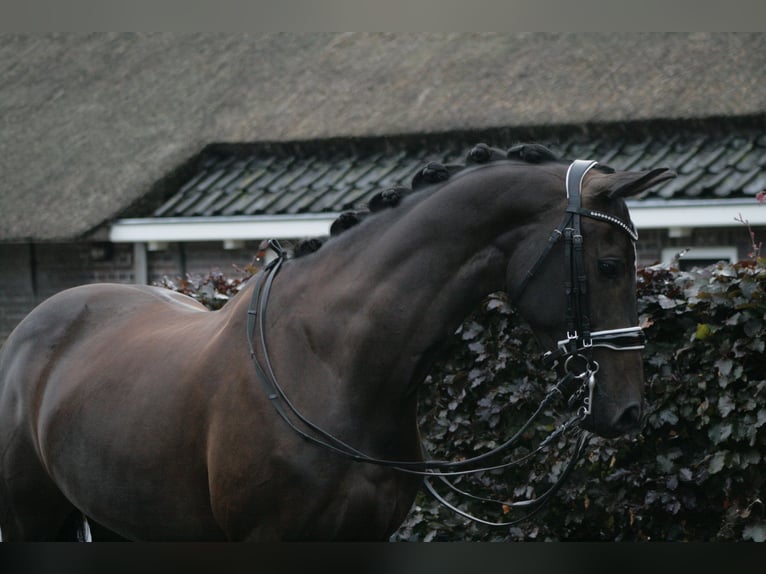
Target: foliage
214 289
696 472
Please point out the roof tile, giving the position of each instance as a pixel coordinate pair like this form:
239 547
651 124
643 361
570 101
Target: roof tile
756 185
710 151
269 181
337 169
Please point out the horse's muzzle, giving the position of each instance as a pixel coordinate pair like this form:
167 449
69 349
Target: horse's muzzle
628 421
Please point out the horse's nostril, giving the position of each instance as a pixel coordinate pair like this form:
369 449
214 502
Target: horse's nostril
630 419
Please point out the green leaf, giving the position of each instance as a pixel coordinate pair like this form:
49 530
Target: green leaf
703 331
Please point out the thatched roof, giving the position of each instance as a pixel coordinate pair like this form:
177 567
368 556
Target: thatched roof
92 123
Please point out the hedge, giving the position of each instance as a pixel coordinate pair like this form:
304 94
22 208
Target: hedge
694 473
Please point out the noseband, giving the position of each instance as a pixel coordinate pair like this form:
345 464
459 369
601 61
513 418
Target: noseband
574 352
575 348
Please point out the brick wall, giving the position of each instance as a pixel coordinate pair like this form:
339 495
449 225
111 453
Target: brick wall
16 286
652 242
30 273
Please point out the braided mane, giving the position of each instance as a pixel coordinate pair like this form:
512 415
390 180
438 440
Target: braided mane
431 174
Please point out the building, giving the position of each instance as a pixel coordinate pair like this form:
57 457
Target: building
132 157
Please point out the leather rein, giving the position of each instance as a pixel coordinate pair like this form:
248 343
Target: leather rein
578 344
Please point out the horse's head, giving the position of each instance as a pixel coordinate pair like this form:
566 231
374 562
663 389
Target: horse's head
574 279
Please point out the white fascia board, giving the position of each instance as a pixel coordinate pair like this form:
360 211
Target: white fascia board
220 228
653 214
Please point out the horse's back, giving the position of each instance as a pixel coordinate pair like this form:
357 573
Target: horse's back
78 317
69 337
84 372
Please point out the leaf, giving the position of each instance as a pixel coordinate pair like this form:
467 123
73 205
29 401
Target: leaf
725 405
755 532
703 331
471 330
668 303
753 328
734 319
685 474
672 483
717 462
719 432
751 457
477 347
496 303
726 270
669 417
724 367
476 377
665 461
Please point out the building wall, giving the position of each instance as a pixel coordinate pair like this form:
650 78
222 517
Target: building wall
653 242
30 273
17 286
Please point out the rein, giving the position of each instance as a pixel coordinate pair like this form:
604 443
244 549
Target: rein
578 344
283 406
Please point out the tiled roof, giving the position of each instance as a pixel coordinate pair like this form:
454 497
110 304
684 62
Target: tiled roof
94 124
274 182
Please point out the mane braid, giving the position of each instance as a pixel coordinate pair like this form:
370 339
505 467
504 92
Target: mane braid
431 174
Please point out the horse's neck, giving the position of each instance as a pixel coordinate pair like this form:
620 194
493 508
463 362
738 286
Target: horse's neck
377 304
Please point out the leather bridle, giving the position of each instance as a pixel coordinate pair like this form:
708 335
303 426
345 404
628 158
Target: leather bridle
574 352
579 342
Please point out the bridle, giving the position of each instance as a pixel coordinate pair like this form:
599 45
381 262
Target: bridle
579 342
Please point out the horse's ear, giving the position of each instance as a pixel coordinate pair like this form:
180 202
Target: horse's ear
629 183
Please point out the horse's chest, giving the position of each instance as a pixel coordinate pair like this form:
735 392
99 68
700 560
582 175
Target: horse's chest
364 507
361 504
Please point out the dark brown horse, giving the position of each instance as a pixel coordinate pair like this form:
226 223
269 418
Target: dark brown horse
140 409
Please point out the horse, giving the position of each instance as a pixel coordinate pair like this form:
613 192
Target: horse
158 419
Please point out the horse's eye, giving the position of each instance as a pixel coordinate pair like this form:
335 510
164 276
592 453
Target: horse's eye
609 267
